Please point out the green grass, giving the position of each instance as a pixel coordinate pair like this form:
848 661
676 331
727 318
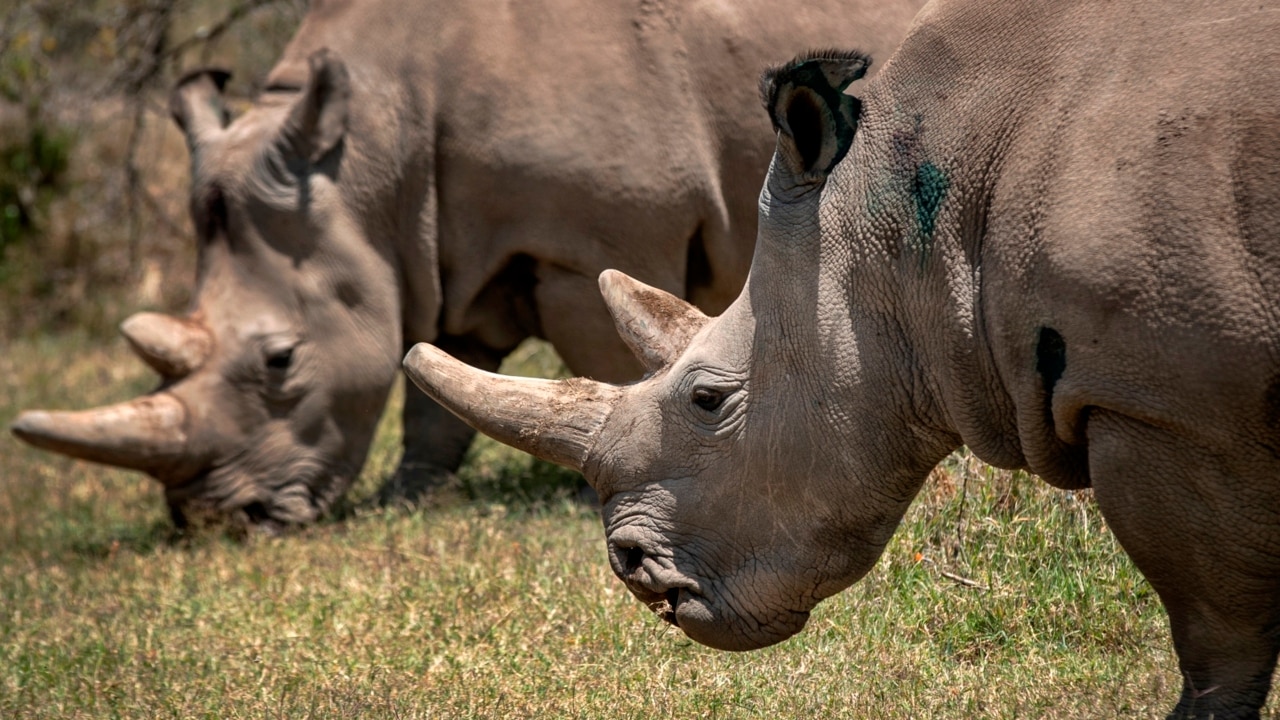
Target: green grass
999 597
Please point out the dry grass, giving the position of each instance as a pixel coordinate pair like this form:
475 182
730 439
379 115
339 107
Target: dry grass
503 606
998 598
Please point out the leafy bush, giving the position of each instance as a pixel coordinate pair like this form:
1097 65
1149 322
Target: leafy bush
32 169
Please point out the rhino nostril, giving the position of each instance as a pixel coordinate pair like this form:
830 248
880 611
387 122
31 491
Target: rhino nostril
633 560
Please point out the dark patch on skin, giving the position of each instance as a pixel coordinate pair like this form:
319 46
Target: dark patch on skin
1051 358
1062 465
348 294
511 295
1271 410
211 213
925 182
928 191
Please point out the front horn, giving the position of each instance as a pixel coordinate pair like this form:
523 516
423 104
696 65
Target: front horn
556 420
173 347
146 434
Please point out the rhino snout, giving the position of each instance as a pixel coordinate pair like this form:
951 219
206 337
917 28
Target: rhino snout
707 615
651 576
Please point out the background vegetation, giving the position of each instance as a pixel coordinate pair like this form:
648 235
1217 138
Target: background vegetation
92 171
998 598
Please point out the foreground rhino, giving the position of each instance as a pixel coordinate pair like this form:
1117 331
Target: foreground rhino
1049 231
448 172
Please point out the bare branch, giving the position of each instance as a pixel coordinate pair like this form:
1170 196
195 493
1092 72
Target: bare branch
208 34
963 580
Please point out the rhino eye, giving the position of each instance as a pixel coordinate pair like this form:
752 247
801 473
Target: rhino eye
281 359
708 399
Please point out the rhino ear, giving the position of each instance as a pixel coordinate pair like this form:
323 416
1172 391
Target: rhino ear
318 120
814 118
196 103
656 325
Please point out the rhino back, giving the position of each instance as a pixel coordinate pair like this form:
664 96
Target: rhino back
1117 205
1154 241
506 153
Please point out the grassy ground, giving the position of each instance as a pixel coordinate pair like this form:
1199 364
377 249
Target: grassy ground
998 598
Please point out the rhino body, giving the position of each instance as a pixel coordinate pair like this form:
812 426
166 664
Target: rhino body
447 172
1049 231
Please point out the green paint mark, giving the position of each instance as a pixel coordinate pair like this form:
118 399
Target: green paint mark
928 191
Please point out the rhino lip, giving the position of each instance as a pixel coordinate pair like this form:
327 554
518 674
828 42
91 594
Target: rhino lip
666 608
663 595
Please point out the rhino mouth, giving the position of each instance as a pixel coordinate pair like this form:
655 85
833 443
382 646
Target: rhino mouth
652 578
712 620
667 606
239 493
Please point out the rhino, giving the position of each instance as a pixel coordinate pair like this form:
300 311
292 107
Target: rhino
1048 231
448 172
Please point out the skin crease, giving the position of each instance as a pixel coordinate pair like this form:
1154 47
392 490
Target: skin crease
461 181
1054 239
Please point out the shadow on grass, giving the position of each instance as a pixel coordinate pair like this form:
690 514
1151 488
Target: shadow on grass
522 485
526 485
89 545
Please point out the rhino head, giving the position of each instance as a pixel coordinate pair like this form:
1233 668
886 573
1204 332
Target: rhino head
770 453
273 382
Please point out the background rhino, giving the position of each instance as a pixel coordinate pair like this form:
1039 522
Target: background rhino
1048 231
447 172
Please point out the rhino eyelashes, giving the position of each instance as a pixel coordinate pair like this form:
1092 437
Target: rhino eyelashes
709 399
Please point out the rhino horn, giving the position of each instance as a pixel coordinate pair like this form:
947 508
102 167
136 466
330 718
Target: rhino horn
174 347
556 420
196 103
655 324
146 433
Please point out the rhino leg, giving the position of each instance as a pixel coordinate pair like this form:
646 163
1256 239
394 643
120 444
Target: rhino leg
435 440
1201 525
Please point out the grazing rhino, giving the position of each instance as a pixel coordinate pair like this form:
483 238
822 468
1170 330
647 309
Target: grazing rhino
1049 231
447 172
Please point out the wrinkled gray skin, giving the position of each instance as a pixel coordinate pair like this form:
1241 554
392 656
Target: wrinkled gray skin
447 172
1055 237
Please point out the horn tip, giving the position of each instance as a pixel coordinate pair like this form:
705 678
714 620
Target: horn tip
132 326
612 281
31 425
423 362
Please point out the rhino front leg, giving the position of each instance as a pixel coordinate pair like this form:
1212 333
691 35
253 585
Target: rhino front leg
1202 526
435 440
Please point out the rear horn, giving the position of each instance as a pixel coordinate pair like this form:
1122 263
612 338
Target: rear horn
174 347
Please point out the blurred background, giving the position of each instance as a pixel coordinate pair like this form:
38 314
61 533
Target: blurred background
93 172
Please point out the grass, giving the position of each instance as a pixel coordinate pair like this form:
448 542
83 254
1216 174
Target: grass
999 598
